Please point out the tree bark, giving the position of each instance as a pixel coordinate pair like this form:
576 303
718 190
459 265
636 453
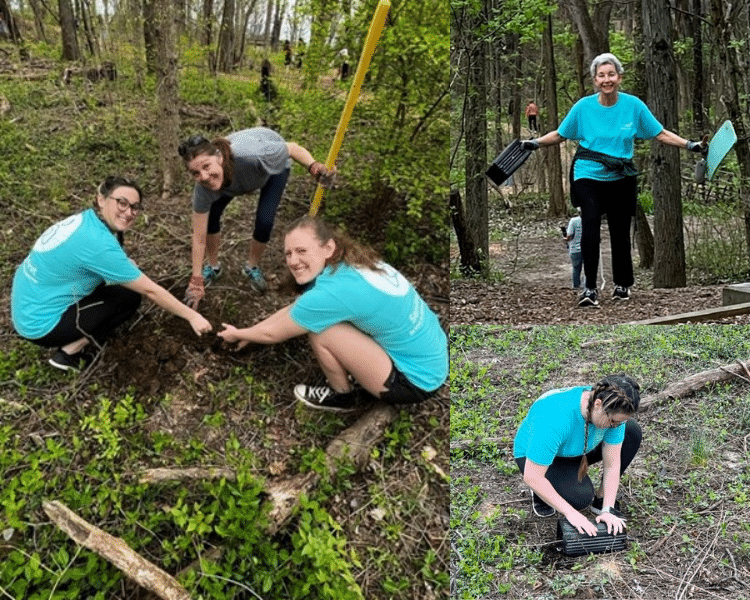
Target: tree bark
116 551
699 123
661 77
226 38
70 49
557 207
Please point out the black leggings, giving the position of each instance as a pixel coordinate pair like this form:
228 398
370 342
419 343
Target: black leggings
617 200
265 214
94 316
563 472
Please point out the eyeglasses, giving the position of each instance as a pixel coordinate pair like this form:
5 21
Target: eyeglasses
124 205
192 142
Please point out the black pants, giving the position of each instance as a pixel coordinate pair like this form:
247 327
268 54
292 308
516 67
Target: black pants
265 214
532 122
563 472
94 316
617 200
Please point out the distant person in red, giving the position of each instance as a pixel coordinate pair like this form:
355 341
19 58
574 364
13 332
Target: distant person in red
532 111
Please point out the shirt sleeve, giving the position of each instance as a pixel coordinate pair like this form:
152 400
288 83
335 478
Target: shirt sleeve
570 128
316 310
648 125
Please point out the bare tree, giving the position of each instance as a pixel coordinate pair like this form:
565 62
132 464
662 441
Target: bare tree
661 77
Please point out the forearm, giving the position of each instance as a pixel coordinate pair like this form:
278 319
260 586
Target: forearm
161 297
671 139
610 484
300 154
550 139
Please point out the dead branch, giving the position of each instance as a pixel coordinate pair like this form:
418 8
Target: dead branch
353 444
693 383
464 444
162 475
116 551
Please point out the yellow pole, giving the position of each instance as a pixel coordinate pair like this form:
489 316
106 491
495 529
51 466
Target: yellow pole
376 27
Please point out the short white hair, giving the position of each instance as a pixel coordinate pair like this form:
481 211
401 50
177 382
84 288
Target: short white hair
606 59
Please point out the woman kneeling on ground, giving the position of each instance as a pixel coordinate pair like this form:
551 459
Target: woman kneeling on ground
564 432
363 319
77 284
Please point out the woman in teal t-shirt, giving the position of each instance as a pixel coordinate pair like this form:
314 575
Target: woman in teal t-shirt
565 431
77 285
602 174
363 319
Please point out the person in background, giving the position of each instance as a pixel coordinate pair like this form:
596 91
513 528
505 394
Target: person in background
564 432
573 238
602 173
242 162
532 112
374 337
77 285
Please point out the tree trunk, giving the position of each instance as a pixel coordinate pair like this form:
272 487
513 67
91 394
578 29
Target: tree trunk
475 135
661 77
644 238
699 123
207 22
38 11
168 119
70 49
729 65
226 38
553 166
150 35
593 30
468 252
268 24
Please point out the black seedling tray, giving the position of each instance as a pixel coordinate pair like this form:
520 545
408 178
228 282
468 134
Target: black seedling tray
507 162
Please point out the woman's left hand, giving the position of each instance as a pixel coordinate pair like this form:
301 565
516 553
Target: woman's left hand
322 174
230 335
615 524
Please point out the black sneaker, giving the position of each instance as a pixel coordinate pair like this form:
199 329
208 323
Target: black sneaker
621 293
70 362
324 398
588 298
596 507
540 507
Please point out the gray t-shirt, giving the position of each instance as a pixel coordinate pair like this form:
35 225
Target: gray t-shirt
258 154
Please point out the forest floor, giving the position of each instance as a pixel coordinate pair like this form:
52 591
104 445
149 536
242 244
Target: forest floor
531 284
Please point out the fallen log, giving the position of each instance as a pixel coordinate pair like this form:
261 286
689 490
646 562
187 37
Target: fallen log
696 382
117 552
162 474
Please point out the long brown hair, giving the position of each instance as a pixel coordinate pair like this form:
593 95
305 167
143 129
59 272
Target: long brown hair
198 145
618 393
348 250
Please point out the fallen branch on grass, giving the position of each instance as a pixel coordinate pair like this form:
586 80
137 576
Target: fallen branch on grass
116 551
695 382
162 475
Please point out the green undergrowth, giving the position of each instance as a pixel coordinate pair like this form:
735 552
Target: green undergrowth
689 476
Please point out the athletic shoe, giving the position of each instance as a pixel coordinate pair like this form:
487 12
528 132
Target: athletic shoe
620 293
540 507
210 274
588 298
257 281
324 398
70 362
596 507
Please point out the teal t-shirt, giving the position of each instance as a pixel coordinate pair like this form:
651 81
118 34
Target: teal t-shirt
554 427
386 307
608 129
68 261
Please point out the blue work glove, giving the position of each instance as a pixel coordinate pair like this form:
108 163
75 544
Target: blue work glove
530 144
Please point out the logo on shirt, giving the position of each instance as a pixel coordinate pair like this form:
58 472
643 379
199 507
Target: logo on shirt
58 233
389 282
627 126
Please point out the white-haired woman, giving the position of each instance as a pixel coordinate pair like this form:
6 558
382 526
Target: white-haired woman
603 176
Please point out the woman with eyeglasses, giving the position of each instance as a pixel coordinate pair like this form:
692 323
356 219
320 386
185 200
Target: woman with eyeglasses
374 337
77 284
564 432
244 161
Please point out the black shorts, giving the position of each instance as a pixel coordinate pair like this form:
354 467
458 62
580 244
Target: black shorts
402 391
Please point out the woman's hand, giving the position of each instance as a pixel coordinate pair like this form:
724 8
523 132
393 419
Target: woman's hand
582 524
199 324
615 524
322 175
230 334
195 291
